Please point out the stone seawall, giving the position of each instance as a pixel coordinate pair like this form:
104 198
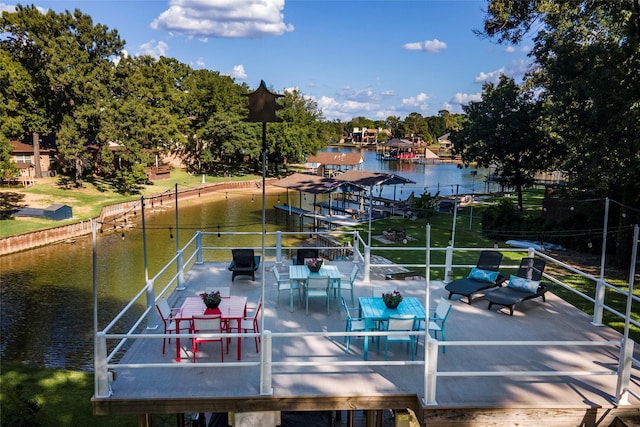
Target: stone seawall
34 239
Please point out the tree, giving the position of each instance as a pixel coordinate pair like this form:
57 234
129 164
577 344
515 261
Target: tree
587 56
67 60
505 129
139 120
214 107
396 126
416 125
301 133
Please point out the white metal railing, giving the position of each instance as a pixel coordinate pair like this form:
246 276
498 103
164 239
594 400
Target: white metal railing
196 250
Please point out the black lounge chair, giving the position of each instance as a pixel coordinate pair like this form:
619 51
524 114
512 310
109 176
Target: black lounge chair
244 263
304 254
509 296
468 286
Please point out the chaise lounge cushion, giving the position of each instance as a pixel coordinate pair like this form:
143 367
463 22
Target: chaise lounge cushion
523 284
483 275
479 279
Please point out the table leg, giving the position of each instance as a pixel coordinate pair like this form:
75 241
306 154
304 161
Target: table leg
239 339
291 297
366 346
177 340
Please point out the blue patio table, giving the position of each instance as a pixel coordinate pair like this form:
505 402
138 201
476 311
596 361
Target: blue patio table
300 273
373 310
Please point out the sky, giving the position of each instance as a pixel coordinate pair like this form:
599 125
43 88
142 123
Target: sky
371 58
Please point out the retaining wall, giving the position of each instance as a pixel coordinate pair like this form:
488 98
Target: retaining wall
34 239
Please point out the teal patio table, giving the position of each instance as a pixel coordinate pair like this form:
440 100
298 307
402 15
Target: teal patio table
300 273
373 310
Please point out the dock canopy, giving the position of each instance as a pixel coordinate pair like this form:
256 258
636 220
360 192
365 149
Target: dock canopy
369 179
315 184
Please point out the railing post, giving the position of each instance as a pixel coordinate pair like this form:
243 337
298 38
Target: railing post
101 375
367 264
180 267
448 264
266 358
598 307
430 369
198 247
356 248
278 247
624 372
151 301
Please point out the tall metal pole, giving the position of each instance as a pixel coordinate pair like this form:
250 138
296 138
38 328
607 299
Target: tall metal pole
455 217
144 242
604 238
264 216
94 260
177 228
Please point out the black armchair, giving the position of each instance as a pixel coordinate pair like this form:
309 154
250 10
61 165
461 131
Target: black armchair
245 263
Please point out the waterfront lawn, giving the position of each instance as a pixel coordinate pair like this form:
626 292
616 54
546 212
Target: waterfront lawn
85 202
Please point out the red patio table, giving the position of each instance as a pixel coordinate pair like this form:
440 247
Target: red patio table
233 308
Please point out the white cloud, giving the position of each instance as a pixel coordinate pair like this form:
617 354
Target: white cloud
7 8
123 54
431 46
492 76
200 63
466 98
238 72
418 101
345 110
510 49
154 49
224 18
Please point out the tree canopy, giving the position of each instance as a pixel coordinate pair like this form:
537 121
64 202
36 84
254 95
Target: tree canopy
507 129
586 59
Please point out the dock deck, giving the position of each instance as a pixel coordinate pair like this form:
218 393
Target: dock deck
313 372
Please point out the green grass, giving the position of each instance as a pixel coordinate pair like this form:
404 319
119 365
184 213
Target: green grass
86 202
64 399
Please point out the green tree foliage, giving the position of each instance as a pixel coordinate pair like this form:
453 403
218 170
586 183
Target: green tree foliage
416 125
396 126
437 126
67 60
300 133
507 129
138 120
587 56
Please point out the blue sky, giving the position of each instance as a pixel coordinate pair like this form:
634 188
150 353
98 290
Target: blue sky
354 58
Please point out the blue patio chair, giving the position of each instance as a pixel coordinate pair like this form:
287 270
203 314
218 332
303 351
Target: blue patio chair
317 286
354 324
400 323
347 282
436 321
285 284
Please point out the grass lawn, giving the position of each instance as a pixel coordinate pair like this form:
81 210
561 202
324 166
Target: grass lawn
85 202
63 397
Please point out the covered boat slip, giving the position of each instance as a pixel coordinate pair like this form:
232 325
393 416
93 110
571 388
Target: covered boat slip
547 359
345 200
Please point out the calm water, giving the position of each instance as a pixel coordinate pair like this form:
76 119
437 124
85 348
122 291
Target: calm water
46 316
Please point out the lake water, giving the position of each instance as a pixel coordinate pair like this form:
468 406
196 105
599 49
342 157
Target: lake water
46 316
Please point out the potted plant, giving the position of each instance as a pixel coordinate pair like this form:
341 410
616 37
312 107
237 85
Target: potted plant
314 264
211 299
392 299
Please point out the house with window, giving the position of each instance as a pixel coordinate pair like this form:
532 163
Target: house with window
23 154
